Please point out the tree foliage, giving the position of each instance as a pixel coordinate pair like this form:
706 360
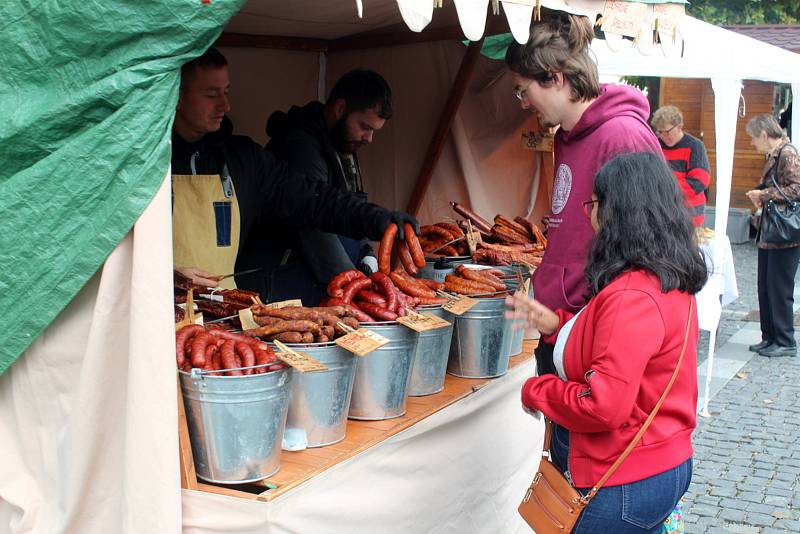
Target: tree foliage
745 11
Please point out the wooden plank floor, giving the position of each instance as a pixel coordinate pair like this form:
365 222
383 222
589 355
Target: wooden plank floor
298 467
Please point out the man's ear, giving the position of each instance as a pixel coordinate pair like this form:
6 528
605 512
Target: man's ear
339 108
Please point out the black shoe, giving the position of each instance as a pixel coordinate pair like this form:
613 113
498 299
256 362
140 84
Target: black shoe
777 351
759 346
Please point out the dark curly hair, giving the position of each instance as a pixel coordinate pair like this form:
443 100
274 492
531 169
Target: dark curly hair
643 225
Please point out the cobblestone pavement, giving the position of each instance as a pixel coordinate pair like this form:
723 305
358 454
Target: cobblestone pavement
747 454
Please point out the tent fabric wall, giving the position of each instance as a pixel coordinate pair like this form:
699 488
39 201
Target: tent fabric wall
88 413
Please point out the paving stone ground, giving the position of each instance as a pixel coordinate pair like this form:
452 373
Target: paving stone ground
747 454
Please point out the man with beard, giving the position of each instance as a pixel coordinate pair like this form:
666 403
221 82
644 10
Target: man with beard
321 141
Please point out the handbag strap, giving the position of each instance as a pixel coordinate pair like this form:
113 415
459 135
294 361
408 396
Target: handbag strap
774 173
586 498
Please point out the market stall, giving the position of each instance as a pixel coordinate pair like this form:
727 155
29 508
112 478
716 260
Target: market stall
89 411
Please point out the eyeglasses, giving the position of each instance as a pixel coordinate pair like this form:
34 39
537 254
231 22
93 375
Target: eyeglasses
665 132
520 93
588 206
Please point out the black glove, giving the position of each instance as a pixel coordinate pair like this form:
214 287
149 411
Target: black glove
399 218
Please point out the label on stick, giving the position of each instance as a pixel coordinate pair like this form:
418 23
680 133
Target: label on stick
361 342
246 318
460 305
422 322
299 360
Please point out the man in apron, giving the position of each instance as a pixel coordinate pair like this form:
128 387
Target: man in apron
227 190
321 141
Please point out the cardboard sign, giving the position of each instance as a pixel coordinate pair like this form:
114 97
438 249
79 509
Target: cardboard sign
459 305
361 342
246 318
666 17
623 18
541 141
298 360
283 304
422 322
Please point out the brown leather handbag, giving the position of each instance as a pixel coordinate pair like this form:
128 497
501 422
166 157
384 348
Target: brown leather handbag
552 505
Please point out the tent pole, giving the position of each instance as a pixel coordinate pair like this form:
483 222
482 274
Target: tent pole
445 124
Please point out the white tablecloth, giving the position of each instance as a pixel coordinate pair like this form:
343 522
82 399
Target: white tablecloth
720 289
463 469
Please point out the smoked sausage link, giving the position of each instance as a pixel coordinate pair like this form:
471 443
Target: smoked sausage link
385 249
414 247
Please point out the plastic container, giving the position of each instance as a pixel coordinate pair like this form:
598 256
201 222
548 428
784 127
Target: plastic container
738 230
236 423
321 399
382 376
430 360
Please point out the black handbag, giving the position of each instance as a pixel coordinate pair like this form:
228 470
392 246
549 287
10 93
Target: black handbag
780 222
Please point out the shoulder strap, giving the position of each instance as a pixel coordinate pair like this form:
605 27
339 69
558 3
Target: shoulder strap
774 174
586 498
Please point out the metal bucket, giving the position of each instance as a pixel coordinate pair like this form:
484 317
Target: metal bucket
439 274
236 423
321 399
481 341
430 361
382 376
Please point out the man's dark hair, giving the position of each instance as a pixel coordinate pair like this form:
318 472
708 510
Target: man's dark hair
643 225
363 89
211 58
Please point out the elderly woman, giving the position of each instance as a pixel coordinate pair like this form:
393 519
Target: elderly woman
777 262
617 354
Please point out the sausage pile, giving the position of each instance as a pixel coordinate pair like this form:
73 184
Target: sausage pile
434 237
298 324
475 282
225 302
215 349
395 252
381 297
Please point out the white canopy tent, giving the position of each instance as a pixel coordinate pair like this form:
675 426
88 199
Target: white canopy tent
78 411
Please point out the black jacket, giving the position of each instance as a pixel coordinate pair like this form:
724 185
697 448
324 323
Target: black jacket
268 194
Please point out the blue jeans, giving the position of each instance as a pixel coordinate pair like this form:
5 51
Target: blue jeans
636 507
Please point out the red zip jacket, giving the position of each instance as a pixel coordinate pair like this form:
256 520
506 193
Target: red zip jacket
624 347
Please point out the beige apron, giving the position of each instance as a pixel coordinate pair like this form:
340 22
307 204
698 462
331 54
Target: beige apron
205 224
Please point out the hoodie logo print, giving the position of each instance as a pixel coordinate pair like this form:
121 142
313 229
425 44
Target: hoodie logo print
561 189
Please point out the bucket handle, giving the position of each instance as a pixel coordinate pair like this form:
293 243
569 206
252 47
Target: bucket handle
196 372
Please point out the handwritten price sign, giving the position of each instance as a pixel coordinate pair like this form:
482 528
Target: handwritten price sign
362 341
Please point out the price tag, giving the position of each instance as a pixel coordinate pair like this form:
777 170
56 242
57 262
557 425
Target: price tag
459 305
283 304
246 318
361 342
623 18
422 322
299 360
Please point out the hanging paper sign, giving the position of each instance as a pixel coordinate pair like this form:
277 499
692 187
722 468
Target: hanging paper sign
360 342
247 320
541 141
298 360
422 322
666 18
623 18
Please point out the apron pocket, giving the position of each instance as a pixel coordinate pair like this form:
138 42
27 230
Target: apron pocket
222 216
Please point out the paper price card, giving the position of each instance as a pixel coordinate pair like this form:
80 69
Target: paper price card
422 322
361 342
473 238
298 360
283 304
623 18
246 318
459 305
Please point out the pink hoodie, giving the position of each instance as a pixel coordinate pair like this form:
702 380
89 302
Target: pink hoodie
615 123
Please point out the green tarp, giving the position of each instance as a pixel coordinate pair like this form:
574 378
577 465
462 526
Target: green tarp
87 92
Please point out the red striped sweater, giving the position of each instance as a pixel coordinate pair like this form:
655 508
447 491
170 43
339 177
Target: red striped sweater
689 162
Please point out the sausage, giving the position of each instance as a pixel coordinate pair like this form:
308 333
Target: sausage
308 337
337 283
295 312
229 358
322 338
247 355
288 337
299 325
409 286
224 334
431 301
352 322
181 336
504 234
263 357
216 363
354 287
359 314
339 310
199 348
477 221
382 314
264 320
476 276
370 296
466 287
432 284
452 228
211 349
513 226
438 231
326 331
385 285
385 249
405 258
414 247
449 250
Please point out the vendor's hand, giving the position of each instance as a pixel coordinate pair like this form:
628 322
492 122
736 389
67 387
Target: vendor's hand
199 277
755 197
531 313
400 218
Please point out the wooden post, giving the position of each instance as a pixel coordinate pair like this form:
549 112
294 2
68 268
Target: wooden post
445 124
188 475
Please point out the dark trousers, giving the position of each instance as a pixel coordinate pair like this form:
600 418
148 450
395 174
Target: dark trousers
776 270
544 359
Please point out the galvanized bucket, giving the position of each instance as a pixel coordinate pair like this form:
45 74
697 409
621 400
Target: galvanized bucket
321 399
382 376
481 341
236 423
430 361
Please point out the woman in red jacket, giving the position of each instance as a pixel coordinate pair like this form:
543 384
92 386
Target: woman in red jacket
617 354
